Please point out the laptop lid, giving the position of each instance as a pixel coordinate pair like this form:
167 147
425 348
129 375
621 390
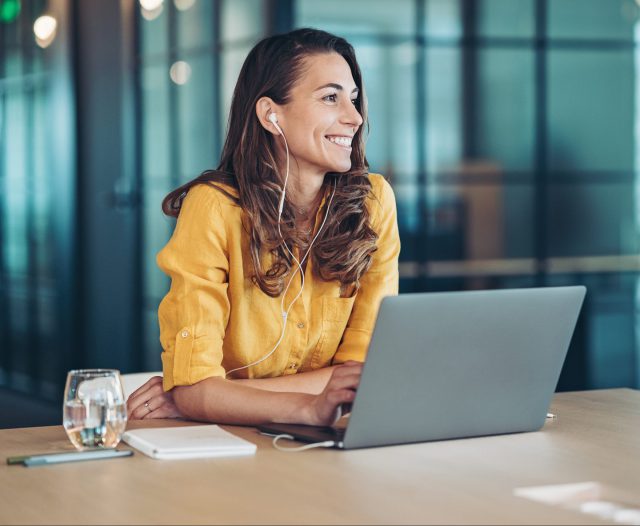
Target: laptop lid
462 364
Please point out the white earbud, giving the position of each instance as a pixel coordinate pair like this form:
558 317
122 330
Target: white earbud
273 118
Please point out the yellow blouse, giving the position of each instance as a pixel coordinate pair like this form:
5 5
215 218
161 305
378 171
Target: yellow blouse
215 319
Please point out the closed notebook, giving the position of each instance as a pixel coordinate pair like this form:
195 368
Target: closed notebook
188 442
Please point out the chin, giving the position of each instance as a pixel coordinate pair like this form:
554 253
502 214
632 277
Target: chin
341 168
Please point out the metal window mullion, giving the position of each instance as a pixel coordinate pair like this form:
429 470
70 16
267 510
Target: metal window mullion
139 66
33 319
280 16
540 215
174 121
5 321
469 75
216 81
422 234
133 41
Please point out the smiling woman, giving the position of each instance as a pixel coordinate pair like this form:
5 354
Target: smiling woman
281 256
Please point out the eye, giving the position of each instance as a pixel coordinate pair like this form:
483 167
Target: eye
331 98
354 101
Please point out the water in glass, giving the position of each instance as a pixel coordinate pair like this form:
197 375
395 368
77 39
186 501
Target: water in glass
95 413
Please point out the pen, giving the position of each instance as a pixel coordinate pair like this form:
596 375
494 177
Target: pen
17 460
56 458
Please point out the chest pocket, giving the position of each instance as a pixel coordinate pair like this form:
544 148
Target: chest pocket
335 315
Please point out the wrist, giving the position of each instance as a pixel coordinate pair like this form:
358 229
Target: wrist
301 410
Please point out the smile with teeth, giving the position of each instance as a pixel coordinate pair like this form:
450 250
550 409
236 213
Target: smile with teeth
340 140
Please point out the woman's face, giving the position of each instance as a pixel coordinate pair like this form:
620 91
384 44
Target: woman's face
320 119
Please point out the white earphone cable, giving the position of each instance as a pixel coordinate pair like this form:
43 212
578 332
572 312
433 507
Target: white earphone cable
327 443
285 313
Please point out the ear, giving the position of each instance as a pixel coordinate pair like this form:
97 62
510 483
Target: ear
264 107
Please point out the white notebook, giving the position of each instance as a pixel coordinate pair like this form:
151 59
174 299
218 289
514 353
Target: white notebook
188 442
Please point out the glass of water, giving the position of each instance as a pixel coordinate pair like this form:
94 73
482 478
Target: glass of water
95 410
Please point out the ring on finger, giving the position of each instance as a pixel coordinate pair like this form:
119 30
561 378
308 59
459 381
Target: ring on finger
146 404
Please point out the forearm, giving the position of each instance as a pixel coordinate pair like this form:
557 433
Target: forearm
311 382
229 402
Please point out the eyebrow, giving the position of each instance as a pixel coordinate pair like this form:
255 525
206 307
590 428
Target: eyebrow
336 86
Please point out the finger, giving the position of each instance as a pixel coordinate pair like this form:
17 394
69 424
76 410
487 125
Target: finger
351 364
330 403
146 407
152 381
342 396
166 411
346 370
149 383
163 405
143 393
159 401
145 396
142 396
151 416
138 413
344 382
138 407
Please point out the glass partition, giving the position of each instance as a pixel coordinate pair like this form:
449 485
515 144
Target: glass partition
509 130
37 175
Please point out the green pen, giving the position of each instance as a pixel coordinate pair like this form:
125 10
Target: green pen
76 456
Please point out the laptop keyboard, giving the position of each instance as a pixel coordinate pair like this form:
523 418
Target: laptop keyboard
337 433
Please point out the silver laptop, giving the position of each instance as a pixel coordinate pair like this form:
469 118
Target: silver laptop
456 364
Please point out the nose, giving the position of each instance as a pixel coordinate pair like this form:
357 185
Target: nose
351 116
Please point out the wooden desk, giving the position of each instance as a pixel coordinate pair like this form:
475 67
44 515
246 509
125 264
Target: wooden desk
596 437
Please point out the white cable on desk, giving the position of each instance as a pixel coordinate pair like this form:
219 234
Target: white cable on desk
327 443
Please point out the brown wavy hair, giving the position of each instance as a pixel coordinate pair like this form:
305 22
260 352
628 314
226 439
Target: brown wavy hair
344 249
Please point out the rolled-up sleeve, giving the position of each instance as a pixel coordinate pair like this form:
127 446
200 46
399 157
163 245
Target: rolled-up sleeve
380 280
193 315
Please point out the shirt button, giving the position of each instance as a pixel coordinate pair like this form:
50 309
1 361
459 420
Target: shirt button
185 333
300 325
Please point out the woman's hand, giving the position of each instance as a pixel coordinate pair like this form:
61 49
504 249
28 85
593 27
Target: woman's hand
150 401
341 389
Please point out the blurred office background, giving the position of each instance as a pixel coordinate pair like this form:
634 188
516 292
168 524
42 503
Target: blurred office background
510 131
